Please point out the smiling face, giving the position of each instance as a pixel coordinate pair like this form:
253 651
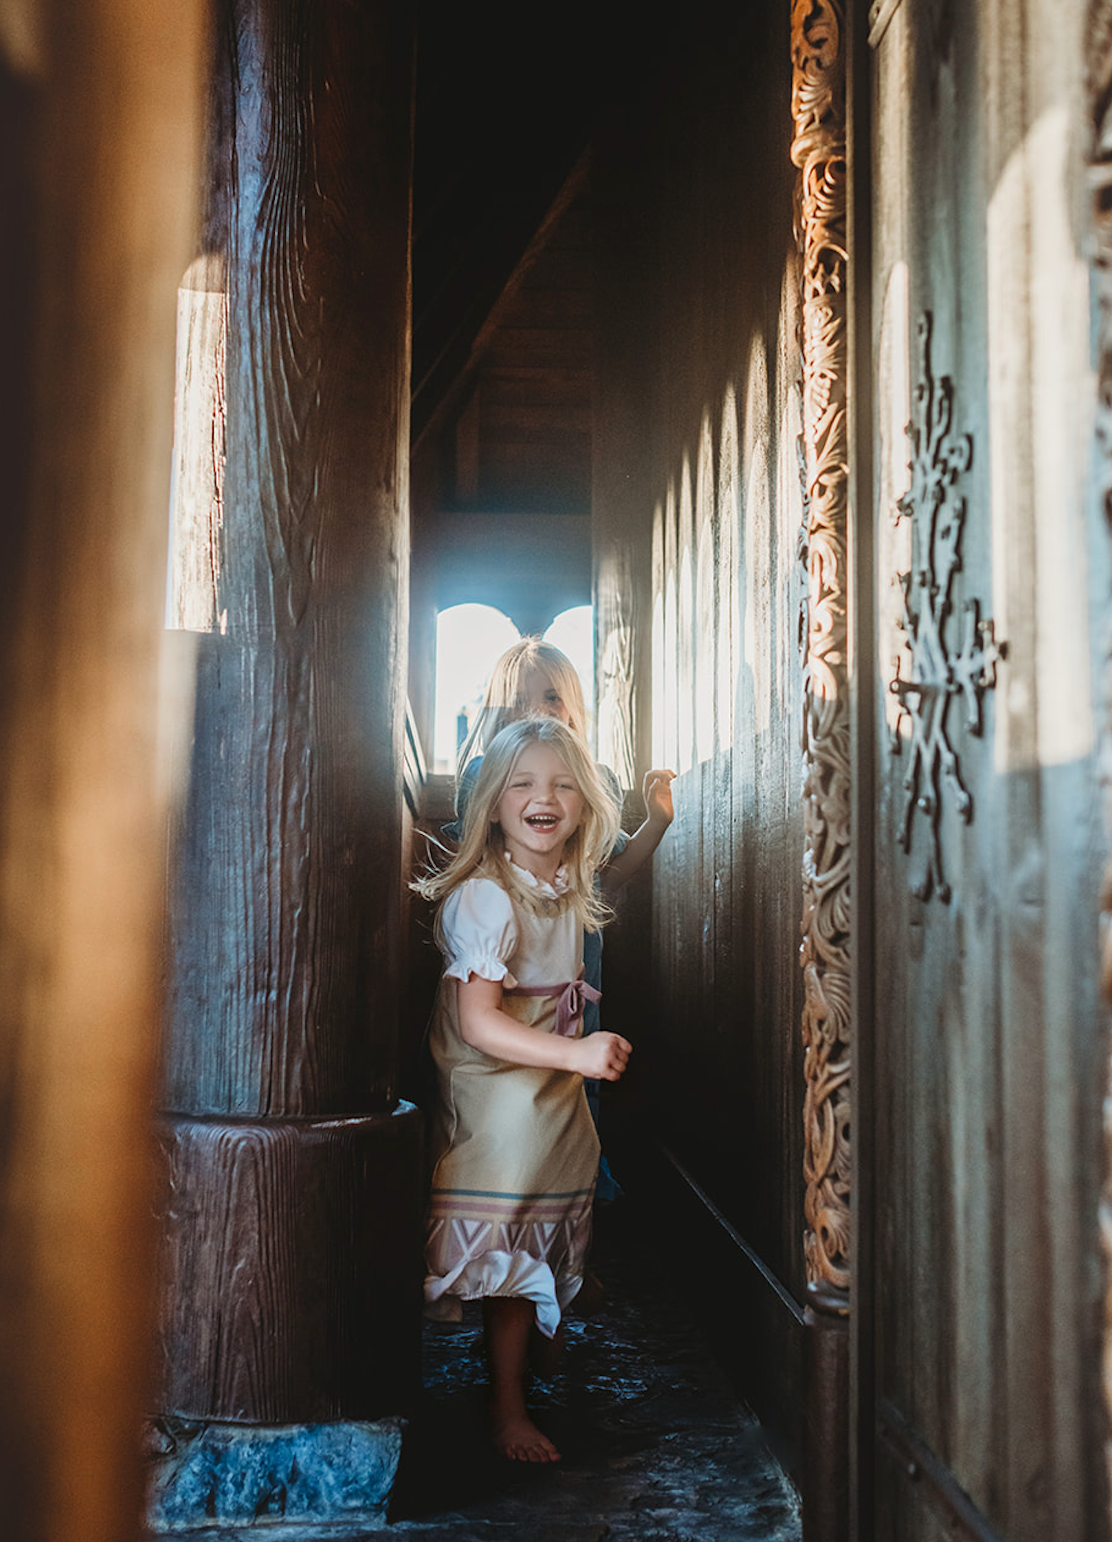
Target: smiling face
540 809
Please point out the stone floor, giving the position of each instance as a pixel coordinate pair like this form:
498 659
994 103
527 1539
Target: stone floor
655 1446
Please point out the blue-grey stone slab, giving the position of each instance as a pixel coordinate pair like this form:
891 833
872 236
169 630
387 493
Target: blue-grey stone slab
226 1474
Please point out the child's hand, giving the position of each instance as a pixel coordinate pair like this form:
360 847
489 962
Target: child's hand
656 789
604 1055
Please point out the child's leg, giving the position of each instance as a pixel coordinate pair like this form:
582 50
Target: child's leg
508 1321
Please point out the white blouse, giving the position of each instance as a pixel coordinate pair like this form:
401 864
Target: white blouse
482 932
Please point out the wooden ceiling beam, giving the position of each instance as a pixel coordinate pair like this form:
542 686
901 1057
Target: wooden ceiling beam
431 417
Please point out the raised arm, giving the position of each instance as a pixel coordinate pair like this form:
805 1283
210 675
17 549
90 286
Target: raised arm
486 1027
656 789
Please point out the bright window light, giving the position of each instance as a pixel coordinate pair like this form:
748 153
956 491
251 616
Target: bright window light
573 632
469 641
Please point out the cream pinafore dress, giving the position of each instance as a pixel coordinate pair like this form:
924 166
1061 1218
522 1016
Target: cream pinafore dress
514 1147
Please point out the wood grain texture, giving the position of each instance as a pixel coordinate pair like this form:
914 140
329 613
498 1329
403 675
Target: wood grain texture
697 516
101 152
991 1043
287 935
292 1268
292 1250
283 967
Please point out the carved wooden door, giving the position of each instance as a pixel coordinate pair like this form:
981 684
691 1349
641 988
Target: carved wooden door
981 1042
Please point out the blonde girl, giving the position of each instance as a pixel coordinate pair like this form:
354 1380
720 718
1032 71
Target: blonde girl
514 1146
531 679
535 679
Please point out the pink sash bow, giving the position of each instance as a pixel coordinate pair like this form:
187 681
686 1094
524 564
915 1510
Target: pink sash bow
569 1007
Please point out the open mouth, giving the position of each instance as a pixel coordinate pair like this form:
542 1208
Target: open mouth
542 821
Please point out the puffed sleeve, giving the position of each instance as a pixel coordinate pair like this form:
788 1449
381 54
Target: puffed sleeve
478 931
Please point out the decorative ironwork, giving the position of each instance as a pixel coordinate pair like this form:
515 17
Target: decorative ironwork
936 673
1098 61
819 151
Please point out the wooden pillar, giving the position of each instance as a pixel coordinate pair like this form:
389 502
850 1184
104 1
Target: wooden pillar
826 1378
819 150
100 117
292 1258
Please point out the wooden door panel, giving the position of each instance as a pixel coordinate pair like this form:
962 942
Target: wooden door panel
989 1037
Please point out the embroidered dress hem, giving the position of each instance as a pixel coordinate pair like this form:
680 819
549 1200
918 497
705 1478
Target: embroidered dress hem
489 1244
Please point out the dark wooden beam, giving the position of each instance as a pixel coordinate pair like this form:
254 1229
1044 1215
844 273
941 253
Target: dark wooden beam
441 384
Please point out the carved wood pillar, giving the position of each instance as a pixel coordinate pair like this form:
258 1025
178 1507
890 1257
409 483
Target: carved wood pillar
293 1249
819 150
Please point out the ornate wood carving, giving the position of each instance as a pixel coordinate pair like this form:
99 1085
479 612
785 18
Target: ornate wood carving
936 673
818 149
1098 58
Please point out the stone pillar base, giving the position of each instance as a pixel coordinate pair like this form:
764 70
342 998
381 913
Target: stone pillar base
231 1474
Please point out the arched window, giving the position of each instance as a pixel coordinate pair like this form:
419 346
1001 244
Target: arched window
573 632
469 640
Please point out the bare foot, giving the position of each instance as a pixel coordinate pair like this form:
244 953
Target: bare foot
518 1438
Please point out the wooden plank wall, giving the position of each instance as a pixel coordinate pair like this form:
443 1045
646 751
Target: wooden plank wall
698 509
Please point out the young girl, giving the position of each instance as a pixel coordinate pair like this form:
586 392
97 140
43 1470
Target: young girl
514 1145
531 679
535 679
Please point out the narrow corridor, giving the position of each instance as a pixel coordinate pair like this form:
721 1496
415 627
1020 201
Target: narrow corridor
656 1447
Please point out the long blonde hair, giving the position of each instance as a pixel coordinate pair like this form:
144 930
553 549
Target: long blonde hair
482 848
506 701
